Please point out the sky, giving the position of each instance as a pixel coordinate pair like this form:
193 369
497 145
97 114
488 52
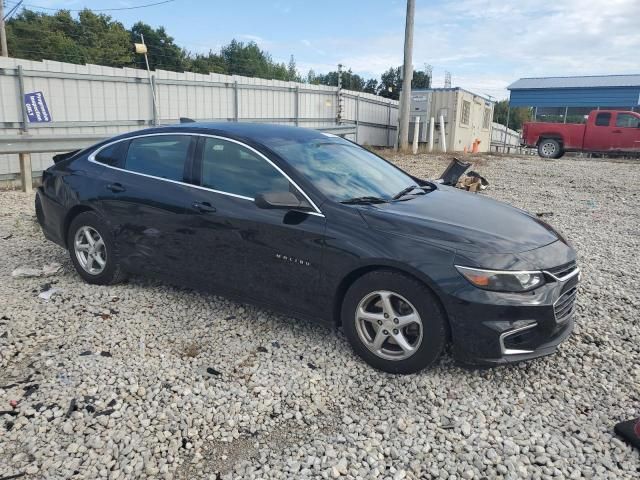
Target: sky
485 44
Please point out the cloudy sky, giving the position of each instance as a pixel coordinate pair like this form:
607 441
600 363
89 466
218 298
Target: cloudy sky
485 44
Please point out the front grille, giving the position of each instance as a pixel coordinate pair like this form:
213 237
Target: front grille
562 270
564 306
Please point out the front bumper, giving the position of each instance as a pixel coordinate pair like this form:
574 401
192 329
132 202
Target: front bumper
493 328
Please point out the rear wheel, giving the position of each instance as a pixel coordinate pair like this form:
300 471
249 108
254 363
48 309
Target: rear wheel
393 322
550 148
92 250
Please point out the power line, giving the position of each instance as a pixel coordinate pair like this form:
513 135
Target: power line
38 7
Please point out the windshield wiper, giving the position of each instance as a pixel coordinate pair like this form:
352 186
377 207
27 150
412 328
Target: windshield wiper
404 191
363 200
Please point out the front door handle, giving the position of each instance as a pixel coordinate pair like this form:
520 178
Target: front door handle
204 207
116 187
616 131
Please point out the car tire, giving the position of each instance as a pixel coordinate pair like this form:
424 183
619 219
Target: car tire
97 264
363 316
39 211
550 148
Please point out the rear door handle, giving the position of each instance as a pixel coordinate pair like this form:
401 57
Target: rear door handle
204 207
115 187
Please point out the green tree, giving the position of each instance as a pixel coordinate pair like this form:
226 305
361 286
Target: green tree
517 117
163 53
390 84
371 86
421 80
92 38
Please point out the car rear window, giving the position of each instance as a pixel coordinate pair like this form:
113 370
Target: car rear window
603 119
111 155
161 156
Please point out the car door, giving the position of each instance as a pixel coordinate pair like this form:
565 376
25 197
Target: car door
627 131
144 199
274 256
599 136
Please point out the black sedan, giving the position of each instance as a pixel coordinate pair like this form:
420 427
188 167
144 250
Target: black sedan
315 226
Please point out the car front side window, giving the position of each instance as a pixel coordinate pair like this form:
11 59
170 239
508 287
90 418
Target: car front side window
626 120
231 168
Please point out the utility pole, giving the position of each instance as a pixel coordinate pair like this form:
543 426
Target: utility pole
339 106
142 48
407 70
3 33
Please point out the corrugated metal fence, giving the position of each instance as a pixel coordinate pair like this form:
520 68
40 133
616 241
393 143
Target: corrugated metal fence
104 101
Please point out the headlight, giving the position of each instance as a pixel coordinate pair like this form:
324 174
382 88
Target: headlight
502 281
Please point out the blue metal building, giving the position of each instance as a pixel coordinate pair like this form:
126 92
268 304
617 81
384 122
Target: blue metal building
590 92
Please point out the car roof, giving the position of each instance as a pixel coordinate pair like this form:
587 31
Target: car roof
257 132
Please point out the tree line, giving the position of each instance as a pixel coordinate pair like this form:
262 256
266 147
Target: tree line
101 40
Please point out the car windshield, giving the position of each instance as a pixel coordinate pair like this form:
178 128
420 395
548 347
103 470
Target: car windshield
342 170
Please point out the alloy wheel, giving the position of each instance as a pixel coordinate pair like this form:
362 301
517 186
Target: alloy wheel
90 250
389 325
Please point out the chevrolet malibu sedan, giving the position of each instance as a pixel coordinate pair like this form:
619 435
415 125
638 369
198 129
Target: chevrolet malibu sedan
315 226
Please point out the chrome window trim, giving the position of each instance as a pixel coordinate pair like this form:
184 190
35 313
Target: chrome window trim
572 274
92 159
514 351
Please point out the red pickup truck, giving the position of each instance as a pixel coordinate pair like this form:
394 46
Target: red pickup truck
606 131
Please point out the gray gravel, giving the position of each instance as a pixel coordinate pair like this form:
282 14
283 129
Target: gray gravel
150 381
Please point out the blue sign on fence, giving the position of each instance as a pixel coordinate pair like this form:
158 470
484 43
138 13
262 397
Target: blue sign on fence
37 110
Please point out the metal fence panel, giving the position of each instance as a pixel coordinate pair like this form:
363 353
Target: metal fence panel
93 99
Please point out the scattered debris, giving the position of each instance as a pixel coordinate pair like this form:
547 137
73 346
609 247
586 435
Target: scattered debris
108 411
30 389
213 371
472 182
112 403
105 354
85 353
453 172
7 237
15 475
73 407
262 349
13 403
544 214
46 295
312 366
46 271
275 344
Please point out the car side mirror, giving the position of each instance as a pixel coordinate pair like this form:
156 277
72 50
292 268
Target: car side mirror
281 201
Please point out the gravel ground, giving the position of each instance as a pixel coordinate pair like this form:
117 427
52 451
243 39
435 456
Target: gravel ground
150 381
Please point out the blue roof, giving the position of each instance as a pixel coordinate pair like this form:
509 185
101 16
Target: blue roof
576 82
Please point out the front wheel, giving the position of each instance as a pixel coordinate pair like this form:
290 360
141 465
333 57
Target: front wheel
92 250
550 148
393 322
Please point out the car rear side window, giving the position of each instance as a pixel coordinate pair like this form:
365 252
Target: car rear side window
603 119
111 155
161 156
232 168
626 120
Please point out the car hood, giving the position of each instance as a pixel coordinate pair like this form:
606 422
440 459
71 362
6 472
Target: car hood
462 221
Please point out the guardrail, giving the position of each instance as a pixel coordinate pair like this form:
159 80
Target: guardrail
24 145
